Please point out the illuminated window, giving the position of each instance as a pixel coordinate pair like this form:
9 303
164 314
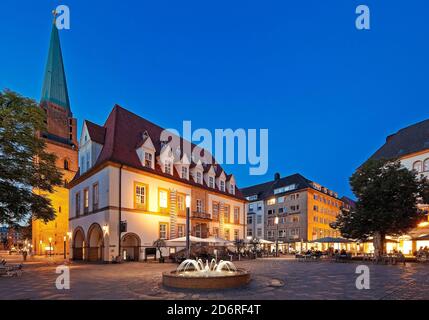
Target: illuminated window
272 201
226 234
163 227
163 199
226 214
140 195
85 201
236 215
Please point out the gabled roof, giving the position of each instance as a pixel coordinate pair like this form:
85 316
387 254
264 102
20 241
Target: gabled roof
406 141
266 190
96 133
54 84
123 132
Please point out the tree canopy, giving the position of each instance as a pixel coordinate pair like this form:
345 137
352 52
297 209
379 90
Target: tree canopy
27 171
387 202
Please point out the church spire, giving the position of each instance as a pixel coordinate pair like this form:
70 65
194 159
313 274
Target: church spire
54 84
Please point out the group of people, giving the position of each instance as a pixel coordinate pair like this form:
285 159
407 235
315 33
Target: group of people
423 252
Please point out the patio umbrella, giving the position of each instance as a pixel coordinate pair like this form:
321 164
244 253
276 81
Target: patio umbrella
177 241
332 240
218 241
261 241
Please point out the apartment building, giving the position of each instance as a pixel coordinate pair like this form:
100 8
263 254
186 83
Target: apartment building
295 210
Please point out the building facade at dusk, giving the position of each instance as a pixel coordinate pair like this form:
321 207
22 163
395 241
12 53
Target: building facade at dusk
128 173
410 146
61 140
303 210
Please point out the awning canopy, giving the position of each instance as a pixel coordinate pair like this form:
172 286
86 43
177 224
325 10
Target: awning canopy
422 237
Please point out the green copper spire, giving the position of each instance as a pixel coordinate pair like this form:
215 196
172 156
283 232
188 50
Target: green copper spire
54 84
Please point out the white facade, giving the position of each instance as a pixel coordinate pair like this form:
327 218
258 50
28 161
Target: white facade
255 212
418 162
143 224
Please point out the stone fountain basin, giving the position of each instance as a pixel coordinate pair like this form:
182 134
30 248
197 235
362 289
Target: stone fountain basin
224 280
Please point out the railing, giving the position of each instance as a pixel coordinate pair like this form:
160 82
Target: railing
200 215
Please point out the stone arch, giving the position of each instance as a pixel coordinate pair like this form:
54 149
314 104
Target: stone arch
130 246
78 243
95 243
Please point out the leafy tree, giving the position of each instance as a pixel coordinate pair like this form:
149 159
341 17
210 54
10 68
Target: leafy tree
25 166
387 197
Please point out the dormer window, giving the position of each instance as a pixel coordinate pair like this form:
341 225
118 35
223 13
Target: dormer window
222 186
232 189
211 182
199 177
167 166
184 172
148 159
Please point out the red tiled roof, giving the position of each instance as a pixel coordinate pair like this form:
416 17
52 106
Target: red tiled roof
96 133
122 134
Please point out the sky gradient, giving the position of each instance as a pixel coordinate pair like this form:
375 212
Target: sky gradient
328 93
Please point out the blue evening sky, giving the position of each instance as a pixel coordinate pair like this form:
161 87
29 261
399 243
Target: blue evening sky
328 93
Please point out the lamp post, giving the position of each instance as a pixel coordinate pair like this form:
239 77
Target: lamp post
50 246
188 222
65 253
276 222
40 247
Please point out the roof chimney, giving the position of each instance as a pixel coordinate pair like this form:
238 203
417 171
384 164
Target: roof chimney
388 138
277 176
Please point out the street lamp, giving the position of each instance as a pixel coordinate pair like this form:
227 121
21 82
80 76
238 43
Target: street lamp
276 222
65 253
50 246
188 222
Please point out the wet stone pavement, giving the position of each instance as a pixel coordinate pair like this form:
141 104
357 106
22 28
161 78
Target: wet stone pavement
271 279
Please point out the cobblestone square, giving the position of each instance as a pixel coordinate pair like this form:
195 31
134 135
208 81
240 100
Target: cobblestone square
271 279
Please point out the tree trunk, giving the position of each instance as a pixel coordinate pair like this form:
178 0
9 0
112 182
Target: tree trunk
378 241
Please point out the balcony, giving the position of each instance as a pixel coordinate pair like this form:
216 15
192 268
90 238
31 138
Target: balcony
200 215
